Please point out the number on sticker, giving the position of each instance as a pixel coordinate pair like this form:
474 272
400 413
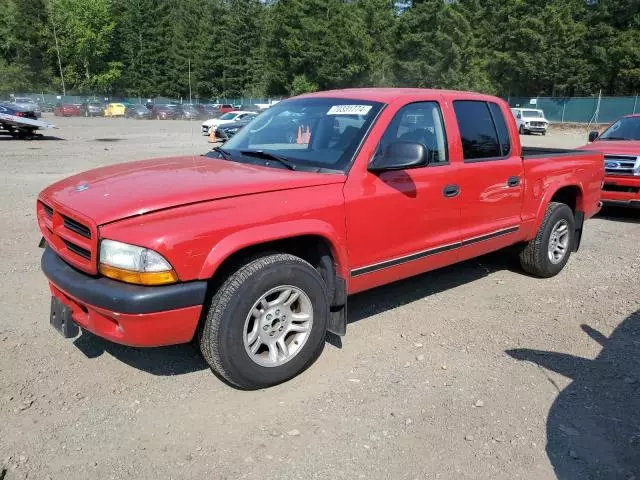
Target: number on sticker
349 110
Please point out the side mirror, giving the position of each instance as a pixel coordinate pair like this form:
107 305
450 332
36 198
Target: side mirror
400 156
593 136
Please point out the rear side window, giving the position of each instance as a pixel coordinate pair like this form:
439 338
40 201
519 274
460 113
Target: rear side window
479 131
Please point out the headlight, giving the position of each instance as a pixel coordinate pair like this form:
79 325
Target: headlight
133 264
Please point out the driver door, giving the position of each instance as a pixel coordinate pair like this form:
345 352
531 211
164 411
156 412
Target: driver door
404 222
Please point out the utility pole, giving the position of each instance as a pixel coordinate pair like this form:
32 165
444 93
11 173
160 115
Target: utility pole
189 80
55 37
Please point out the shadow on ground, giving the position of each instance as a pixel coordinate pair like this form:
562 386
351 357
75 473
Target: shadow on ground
593 428
174 360
181 359
620 214
5 136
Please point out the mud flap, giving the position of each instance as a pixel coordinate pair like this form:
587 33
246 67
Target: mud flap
338 312
579 221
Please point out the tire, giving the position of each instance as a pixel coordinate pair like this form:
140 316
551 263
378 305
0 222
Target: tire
521 130
222 336
535 258
544 132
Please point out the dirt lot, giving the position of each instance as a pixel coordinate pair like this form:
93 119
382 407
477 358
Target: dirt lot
441 376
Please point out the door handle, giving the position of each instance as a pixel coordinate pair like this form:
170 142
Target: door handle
451 191
513 181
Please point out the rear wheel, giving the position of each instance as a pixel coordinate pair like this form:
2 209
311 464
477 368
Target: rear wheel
521 130
266 323
548 253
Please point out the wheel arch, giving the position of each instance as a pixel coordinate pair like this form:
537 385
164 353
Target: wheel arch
572 196
314 242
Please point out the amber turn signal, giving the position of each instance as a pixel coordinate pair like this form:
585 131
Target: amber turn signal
139 278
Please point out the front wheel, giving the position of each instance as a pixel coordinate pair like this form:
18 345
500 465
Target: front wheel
547 254
266 323
521 130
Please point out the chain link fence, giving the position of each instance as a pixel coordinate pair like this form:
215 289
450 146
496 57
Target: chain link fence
580 109
52 99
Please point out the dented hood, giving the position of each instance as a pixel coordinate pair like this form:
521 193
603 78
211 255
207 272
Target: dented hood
120 191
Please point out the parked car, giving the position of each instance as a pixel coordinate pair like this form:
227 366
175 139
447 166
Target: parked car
190 112
66 110
246 248
166 112
138 111
227 130
92 109
620 144
530 120
228 117
28 104
216 110
115 110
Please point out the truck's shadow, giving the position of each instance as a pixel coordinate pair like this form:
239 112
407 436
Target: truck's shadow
181 359
593 427
620 214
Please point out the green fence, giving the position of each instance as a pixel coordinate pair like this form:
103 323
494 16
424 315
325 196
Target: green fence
580 109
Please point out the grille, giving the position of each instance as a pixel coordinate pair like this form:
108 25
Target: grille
73 239
537 124
76 227
78 250
621 165
612 187
47 209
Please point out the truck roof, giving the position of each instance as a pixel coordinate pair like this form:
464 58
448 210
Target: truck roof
388 95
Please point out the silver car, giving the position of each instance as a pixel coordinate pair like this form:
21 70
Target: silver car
28 104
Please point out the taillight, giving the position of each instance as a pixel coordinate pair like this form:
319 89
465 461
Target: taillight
21 114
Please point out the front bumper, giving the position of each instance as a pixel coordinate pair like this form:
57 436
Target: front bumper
621 191
123 313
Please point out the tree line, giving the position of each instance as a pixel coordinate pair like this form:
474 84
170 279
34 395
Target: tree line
233 48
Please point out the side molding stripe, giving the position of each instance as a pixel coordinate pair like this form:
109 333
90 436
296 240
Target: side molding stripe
432 251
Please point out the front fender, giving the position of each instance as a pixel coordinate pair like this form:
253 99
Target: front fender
275 231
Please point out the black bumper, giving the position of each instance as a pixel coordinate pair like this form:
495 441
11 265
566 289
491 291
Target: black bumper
117 296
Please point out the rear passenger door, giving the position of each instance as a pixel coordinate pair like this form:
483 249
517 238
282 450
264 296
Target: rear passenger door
490 178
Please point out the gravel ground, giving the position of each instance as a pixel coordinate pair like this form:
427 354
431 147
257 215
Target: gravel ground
474 371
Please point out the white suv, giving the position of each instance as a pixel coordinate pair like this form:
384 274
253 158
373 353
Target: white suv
530 120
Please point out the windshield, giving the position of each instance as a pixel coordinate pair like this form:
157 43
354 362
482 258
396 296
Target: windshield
23 100
532 114
624 129
228 116
309 132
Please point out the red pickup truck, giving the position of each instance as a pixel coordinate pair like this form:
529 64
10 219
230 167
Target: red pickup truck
254 247
620 144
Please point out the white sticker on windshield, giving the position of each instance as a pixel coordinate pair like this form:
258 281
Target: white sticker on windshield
349 110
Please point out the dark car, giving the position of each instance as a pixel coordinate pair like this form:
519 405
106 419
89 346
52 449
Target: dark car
166 112
92 109
190 112
141 112
227 130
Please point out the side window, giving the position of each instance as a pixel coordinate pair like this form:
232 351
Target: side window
421 123
477 130
501 127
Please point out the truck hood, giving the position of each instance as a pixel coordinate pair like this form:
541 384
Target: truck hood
120 191
615 147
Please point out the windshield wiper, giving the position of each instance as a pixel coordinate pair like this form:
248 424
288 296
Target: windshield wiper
615 138
270 156
223 153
